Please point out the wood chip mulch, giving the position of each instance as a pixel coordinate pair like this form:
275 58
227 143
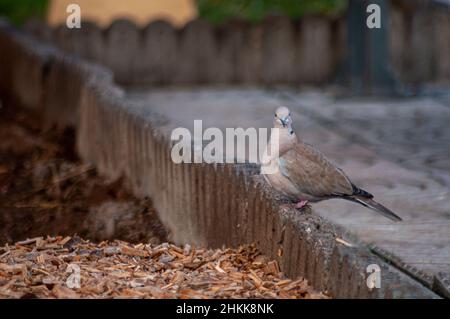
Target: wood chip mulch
47 267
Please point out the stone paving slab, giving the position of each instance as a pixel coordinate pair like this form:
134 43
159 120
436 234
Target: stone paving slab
395 149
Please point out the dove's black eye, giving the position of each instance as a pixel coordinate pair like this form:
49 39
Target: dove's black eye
275 114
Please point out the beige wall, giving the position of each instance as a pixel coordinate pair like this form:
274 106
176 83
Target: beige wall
140 11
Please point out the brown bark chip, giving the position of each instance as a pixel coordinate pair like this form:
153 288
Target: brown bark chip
121 270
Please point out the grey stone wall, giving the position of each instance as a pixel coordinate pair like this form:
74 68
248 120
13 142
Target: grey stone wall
24 63
419 41
275 51
64 83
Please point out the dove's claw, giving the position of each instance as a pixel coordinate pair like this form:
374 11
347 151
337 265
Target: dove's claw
301 204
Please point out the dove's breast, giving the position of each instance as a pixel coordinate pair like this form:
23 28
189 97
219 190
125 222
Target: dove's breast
282 184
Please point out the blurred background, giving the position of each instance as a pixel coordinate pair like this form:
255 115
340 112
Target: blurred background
409 51
176 11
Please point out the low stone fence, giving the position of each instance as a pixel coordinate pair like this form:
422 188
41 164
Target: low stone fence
419 40
207 205
274 51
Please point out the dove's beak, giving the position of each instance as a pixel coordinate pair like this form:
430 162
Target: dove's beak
285 121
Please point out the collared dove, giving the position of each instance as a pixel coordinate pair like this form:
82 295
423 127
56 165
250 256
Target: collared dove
305 175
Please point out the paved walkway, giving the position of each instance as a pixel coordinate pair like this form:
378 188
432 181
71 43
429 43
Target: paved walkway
399 150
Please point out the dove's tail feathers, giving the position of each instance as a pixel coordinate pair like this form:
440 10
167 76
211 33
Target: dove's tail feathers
370 203
360 192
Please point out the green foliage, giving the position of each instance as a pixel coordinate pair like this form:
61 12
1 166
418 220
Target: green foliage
18 11
254 10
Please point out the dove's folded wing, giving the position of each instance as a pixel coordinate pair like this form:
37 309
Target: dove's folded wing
313 174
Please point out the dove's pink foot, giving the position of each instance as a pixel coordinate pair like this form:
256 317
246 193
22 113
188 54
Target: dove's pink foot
301 204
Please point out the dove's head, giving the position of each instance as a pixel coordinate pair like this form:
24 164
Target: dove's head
282 117
285 137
